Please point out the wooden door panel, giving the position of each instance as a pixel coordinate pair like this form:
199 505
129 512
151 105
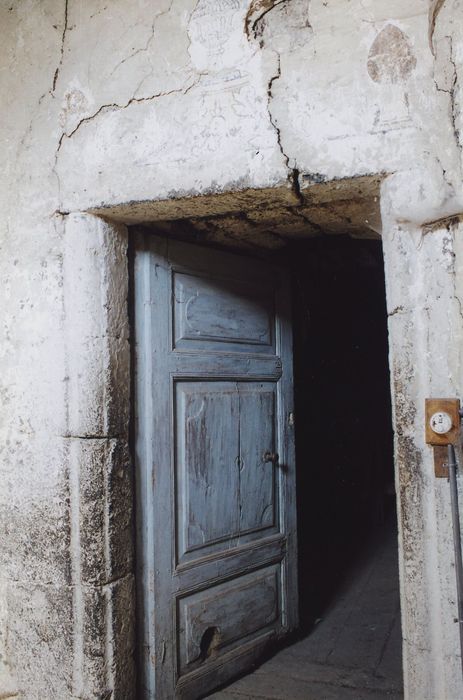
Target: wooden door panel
258 480
221 311
225 564
207 449
225 492
215 516
214 621
212 365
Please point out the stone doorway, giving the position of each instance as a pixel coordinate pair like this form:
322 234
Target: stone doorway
339 297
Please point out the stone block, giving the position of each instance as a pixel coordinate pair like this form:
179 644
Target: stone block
34 511
40 640
104 655
98 353
101 497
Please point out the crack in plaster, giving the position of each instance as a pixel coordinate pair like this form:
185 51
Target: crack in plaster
451 91
453 107
444 171
188 26
295 185
436 6
145 48
398 310
293 173
449 250
50 91
114 107
459 302
63 39
266 6
262 8
255 14
273 78
453 102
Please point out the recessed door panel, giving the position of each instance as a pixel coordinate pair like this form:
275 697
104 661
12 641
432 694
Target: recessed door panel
215 473
211 312
259 478
207 449
226 490
216 620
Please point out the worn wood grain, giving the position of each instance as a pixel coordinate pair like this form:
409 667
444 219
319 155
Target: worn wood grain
216 519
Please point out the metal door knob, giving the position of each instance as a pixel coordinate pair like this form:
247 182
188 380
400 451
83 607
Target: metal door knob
269 456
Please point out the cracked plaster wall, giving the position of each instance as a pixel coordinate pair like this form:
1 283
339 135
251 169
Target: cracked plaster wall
135 103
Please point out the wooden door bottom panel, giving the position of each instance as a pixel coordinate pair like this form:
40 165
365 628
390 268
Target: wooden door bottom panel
225 564
220 617
204 680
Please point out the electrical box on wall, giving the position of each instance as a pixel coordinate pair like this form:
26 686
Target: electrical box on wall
442 427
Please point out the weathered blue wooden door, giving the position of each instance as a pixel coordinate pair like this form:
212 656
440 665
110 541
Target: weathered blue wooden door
215 471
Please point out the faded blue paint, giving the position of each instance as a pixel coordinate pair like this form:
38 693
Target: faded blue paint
215 520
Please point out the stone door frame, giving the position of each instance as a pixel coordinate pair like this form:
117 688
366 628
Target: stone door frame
101 479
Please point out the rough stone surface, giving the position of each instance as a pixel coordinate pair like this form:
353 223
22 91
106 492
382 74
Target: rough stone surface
424 321
185 110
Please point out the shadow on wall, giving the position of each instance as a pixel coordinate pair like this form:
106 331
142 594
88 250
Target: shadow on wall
344 437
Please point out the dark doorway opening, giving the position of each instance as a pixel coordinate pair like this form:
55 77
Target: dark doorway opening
344 441
349 640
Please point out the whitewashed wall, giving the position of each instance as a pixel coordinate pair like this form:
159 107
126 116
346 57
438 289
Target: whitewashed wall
115 108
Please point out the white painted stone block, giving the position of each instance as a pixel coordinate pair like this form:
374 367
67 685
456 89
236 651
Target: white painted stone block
95 301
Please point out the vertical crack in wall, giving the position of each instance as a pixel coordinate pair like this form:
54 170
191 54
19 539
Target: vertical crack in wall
452 227
445 176
254 25
435 8
273 78
50 91
63 39
293 173
455 110
257 10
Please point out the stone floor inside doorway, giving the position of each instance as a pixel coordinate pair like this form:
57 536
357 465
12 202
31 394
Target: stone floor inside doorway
354 651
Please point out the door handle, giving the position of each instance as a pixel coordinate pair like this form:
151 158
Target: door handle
269 456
